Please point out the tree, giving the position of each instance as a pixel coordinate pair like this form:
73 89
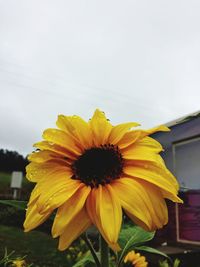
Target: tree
12 161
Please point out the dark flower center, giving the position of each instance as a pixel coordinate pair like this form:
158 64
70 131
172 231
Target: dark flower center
98 165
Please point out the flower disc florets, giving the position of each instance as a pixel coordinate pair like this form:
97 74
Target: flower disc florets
98 165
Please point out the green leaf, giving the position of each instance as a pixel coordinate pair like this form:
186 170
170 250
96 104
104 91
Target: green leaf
131 237
163 263
176 262
86 259
151 250
15 203
134 236
166 264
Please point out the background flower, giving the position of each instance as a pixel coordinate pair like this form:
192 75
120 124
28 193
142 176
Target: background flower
135 259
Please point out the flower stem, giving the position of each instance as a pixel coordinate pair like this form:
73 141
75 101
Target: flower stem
104 251
87 241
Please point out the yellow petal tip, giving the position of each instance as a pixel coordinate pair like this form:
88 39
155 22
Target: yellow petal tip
164 128
26 229
115 246
54 235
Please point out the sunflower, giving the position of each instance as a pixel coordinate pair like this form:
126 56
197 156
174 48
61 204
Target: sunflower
135 259
91 172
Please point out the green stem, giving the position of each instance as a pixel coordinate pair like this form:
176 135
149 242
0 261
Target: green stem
104 251
89 244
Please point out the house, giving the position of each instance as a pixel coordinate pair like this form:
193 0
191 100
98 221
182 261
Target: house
182 157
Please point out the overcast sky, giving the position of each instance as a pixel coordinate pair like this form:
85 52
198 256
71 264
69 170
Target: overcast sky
135 60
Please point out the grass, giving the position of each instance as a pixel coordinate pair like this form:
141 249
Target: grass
5 179
40 248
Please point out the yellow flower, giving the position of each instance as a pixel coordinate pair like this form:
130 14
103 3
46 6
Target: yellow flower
91 171
19 263
136 259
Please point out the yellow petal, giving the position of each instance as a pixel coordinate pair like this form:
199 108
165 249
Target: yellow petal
77 128
138 221
133 200
118 131
105 212
160 128
69 210
45 145
33 218
139 151
42 156
135 259
150 143
170 196
57 179
129 138
100 127
38 171
34 196
57 194
139 261
158 205
61 138
157 175
91 210
142 202
133 136
75 228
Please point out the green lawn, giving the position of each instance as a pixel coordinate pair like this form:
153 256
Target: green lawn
40 248
5 179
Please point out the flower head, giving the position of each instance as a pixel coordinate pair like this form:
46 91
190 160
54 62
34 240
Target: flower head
91 171
19 263
135 259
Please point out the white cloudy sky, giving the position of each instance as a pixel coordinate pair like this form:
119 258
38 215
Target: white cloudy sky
136 60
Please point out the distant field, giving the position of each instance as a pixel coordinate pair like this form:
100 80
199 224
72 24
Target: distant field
4 179
39 247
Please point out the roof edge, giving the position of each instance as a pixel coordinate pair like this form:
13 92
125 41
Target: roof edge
183 119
